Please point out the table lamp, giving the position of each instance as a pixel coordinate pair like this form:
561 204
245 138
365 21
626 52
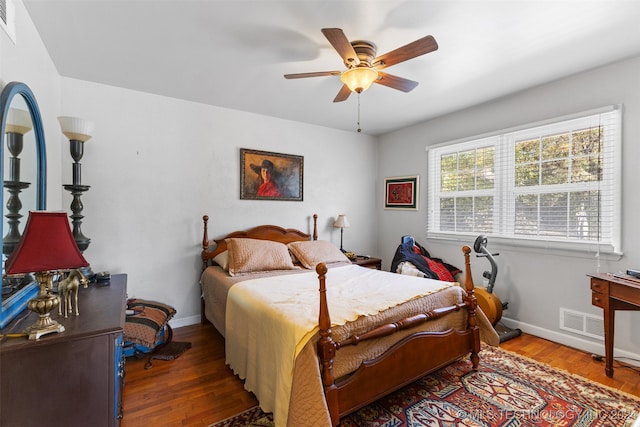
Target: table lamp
341 223
46 247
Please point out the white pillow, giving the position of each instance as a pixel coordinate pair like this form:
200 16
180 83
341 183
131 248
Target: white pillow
312 252
222 259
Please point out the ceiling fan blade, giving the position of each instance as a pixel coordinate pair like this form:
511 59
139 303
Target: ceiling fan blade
343 94
419 47
314 74
395 82
342 45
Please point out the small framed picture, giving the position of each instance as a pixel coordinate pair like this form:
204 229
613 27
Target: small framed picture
401 192
270 176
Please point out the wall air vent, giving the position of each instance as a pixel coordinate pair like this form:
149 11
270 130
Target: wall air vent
7 18
3 11
581 323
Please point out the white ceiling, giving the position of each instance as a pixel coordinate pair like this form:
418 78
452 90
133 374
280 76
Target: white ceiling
234 53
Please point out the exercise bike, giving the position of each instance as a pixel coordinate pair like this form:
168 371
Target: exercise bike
488 301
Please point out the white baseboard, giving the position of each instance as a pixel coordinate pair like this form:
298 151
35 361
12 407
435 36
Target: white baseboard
184 321
572 341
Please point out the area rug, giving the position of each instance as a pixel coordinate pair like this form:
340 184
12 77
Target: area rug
507 390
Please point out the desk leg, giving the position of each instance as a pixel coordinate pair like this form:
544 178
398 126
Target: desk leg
609 321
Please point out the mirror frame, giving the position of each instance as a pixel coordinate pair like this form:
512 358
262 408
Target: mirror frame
18 302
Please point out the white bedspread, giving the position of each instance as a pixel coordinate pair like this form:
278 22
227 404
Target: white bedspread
269 320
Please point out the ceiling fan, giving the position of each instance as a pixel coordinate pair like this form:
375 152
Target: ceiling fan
364 68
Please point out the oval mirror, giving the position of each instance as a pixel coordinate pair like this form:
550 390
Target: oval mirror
23 172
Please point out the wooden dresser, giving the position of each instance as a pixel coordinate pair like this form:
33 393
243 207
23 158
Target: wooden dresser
73 378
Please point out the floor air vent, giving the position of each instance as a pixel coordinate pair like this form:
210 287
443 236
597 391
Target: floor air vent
581 323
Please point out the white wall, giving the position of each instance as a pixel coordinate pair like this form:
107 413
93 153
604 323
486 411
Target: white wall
536 284
27 61
156 165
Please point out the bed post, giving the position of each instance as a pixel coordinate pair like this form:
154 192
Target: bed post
315 226
472 305
205 262
205 236
327 348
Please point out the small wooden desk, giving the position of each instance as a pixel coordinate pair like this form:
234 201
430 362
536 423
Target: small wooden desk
612 293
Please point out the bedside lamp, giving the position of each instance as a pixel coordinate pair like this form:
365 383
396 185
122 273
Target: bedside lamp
341 223
46 246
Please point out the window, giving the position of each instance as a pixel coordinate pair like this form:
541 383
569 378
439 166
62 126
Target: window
557 182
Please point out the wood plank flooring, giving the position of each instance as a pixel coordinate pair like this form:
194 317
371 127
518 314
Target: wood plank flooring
198 389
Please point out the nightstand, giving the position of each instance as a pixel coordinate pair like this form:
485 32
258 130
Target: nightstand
368 262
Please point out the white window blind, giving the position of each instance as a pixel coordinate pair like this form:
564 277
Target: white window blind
556 182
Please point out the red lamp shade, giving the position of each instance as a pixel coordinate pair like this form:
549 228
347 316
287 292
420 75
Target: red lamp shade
46 244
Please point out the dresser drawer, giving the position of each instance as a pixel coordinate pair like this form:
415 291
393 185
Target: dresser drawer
599 285
599 292
598 299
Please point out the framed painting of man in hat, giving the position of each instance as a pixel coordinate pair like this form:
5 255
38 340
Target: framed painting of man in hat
270 176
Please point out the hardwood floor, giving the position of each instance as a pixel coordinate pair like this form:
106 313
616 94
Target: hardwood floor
198 389
626 378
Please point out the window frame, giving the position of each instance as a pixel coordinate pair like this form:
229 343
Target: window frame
504 142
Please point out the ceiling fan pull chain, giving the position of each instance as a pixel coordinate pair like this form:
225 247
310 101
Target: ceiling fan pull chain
359 130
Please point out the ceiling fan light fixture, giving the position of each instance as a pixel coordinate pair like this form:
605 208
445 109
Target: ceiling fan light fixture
359 79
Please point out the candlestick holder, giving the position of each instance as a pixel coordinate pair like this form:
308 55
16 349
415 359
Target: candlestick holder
18 124
78 131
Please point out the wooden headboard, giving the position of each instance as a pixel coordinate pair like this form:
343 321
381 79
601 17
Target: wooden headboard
262 232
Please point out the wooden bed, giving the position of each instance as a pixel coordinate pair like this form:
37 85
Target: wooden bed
410 358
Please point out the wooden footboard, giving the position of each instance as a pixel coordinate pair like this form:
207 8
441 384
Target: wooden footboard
411 358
